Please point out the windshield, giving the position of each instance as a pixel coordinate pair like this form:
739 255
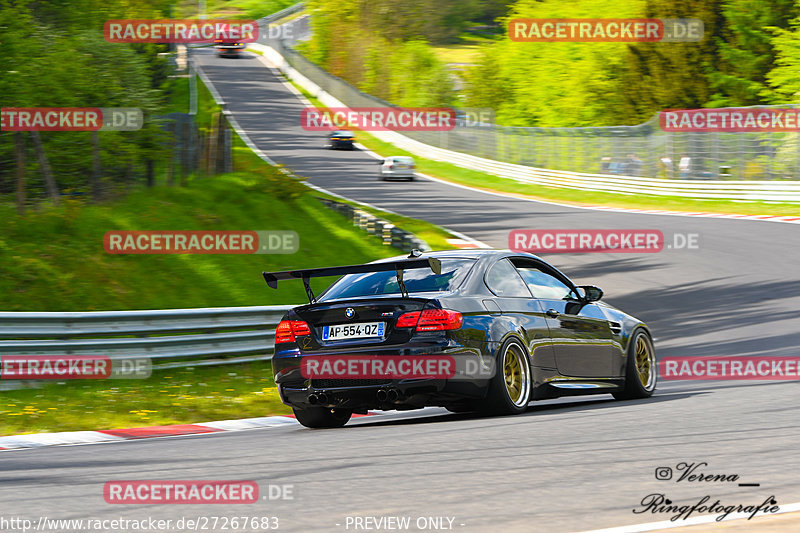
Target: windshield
416 280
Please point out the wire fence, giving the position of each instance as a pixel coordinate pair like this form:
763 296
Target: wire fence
644 150
100 164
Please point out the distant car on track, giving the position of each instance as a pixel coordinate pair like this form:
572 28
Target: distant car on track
341 139
227 47
515 328
397 166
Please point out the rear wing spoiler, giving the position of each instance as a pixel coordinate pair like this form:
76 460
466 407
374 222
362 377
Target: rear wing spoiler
398 266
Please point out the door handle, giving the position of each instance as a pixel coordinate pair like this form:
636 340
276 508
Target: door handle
552 313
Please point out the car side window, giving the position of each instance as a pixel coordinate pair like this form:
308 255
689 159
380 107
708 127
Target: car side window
544 285
503 280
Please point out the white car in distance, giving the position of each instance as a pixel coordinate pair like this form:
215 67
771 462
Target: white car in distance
397 166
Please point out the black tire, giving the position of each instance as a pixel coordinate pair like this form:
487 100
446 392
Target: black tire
322 417
641 370
510 388
461 407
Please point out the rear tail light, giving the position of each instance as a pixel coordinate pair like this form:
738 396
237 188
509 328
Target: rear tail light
407 320
288 330
391 167
431 320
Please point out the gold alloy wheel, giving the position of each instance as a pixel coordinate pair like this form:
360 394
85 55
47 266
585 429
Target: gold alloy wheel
645 361
515 372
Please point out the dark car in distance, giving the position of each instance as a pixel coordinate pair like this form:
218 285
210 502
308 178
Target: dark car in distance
228 46
515 328
341 140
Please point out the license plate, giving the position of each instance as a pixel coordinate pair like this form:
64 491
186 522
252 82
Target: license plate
353 331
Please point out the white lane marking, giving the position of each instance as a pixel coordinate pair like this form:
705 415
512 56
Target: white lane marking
250 423
711 519
75 438
36 440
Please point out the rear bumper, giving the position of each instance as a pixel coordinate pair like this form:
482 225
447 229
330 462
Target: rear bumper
342 144
394 394
223 49
398 174
360 394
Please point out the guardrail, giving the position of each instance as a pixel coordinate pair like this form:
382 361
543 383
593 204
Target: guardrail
335 92
388 232
291 10
780 191
169 338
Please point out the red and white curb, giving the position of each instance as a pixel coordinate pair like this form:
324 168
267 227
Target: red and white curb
70 438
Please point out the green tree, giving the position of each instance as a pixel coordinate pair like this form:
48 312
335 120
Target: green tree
783 80
746 50
666 75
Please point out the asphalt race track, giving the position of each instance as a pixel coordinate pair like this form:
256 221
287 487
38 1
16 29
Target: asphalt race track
566 465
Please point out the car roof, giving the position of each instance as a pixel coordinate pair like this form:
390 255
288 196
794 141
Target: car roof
472 253
342 132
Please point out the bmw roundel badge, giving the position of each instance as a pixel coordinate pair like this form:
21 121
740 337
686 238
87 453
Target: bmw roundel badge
349 312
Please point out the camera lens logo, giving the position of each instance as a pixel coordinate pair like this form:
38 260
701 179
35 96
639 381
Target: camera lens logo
349 312
663 473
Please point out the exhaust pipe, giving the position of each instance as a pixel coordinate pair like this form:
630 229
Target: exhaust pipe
319 398
388 395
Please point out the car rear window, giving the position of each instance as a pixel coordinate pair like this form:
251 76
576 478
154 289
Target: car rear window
416 280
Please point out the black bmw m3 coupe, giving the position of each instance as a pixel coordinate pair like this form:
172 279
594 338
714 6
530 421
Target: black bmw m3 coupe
484 330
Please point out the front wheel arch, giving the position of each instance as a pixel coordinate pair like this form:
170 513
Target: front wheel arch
510 388
641 366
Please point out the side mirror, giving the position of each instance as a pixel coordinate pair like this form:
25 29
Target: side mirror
382 161
591 293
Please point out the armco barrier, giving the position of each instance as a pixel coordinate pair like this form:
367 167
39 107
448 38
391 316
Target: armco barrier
391 235
170 337
322 84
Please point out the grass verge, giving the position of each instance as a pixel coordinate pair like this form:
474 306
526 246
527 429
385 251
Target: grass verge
175 396
492 183
54 260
